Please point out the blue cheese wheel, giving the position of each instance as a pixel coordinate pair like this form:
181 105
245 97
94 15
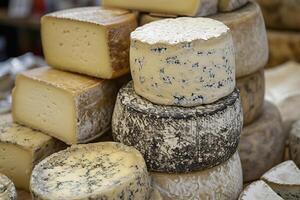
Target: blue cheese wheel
105 170
7 189
178 139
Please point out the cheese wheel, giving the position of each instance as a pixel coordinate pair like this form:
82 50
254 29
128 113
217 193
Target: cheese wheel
105 170
230 5
222 182
178 139
7 188
294 143
262 143
252 91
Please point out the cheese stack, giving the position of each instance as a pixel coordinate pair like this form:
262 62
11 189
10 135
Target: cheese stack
182 111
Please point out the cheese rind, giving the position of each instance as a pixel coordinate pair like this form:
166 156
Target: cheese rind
230 5
91 40
171 66
7 189
262 143
252 91
70 107
178 139
105 170
294 143
224 181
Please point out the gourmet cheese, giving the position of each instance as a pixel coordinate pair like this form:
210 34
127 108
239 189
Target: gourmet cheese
252 91
172 66
67 106
186 7
105 170
21 148
230 5
285 180
224 181
284 46
7 188
259 190
294 143
178 139
249 36
91 40
262 143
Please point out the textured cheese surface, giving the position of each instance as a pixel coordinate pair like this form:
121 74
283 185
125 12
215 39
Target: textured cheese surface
94 171
259 190
230 5
294 143
67 106
262 143
178 139
222 182
7 189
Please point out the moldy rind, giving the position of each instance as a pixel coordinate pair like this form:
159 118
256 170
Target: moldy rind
7 188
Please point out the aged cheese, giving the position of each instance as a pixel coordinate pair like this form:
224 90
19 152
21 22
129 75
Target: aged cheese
178 139
172 66
155 195
91 40
294 143
7 188
223 182
186 7
105 170
230 5
259 190
252 91
21 148
249 36
284 179
262 143
67 106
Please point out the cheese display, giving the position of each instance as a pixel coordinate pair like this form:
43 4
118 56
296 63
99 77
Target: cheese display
284 179
259 190
252 91
262 143
92 40
7 188
21 148
186 8
224 182
172 66
230 5
294 143
178 139
70 107
105 170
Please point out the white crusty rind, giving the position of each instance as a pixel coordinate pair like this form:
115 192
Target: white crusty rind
294 143
7 189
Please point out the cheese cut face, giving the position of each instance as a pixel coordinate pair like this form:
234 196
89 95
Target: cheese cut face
21 148
262 143
252 91
67 106
185 8
172 66
259 190
7 188
284 179
91 40
230 5
223 182
105 170
178 139
294 143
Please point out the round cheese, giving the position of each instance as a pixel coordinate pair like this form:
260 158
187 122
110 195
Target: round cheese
105 170
183 61
252 91
7 189
262 143
294 143
224 181
178 139
230 5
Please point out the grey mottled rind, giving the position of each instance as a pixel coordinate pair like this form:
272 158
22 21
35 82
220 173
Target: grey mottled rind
294 142
7 189
178 139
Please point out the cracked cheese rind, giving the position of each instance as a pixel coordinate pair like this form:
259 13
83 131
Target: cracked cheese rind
7 188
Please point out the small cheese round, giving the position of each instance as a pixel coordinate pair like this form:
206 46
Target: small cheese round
183 61
7 189
294 143
230 5
178 139
105 170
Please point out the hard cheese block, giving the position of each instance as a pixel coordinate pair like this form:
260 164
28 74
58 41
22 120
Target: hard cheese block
94 171
259 190
284 179
262 143
224 181
252 91
187 7
172 66
230 5
178 139
91 40
294 143
7 188
70 107
21 148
